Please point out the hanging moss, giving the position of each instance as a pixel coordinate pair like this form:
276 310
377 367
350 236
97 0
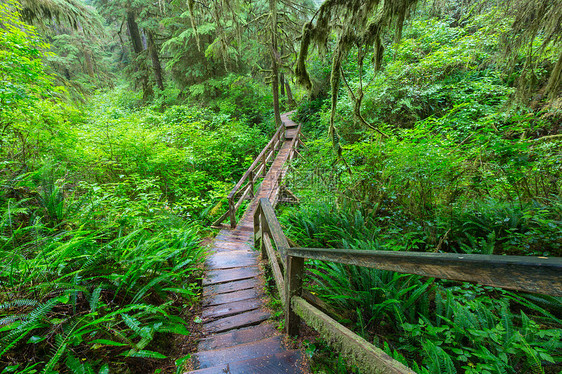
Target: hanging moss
359 23
533 19
72 13
190 5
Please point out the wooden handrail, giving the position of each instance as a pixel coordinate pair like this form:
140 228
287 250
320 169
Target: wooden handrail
258 169
523 273
257 160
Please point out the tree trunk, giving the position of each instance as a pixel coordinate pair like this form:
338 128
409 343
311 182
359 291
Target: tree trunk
282 84
555 80
88 62
290 100
137 48
155 62
134 32
274 62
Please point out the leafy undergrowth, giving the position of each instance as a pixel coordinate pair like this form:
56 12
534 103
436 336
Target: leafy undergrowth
461 168
81 291
101 213
430 325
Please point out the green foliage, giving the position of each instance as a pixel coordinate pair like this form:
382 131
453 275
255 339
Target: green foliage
100 234
187 156
458 170
101 291
235 95
32 113
432 326
22 73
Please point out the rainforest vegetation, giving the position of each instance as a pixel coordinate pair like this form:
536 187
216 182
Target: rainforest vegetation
430 125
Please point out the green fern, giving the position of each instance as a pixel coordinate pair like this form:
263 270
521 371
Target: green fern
437 361
77 367
533 361
30 322
143 354
95 298
18 303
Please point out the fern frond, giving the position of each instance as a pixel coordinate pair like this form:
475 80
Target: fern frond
18 303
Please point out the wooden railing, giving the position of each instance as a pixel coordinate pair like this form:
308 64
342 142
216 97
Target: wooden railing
523 273
245 187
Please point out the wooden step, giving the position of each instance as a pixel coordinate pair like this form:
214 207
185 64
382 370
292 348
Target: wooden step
264 347
289 362
254 317
245 240
228 275
244 227
228 309
232 246
231 259
231 297
235 337
243 235
230 287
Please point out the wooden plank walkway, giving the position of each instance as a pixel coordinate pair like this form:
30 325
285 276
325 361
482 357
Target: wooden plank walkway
239 339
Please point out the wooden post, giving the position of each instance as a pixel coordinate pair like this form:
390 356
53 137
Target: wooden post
232 213
264 229
251 183
258 239
293 287
264 171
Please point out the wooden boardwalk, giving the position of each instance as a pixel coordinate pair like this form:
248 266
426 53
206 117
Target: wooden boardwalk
239 338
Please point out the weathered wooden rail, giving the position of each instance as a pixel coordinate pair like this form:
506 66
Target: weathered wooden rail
245 187
523 273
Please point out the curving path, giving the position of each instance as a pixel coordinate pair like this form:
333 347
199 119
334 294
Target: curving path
239 339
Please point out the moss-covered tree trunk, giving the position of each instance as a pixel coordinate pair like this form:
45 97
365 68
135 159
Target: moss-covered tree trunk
290 100
134 32
155 61
136 42
555 81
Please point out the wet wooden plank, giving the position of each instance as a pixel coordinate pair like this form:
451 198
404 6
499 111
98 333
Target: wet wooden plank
244 239
226 247
231 308
231 259
253 317
290 362
231 297
290 135
230 286
264 347
224 233
244 227
227 275
239 336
